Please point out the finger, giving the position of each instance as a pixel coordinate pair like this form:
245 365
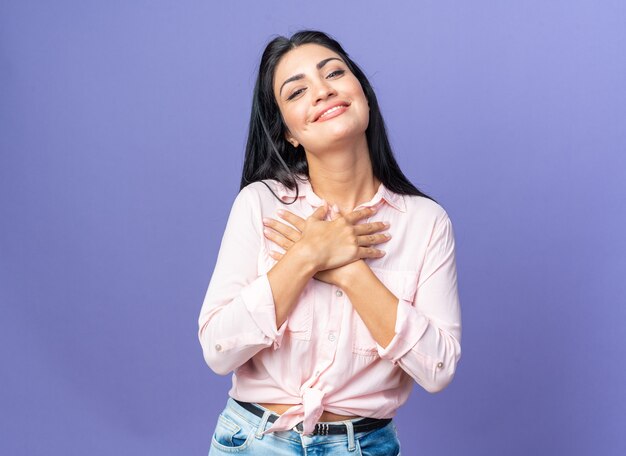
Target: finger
370 252
369 228
277 238
373 239
287 231
360 214
276 255
320 212
292 218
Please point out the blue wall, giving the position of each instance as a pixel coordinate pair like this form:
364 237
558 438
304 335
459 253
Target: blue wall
122 128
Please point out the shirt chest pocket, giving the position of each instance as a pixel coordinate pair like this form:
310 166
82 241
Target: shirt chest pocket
403 284
300 320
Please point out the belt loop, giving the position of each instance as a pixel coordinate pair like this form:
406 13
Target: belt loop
350 431
259 432
297 429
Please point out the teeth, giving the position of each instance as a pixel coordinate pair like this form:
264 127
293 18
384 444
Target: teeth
331 110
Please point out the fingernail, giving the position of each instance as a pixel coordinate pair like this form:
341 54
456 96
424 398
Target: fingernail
266 231
386 224
280 212
388 236
266 221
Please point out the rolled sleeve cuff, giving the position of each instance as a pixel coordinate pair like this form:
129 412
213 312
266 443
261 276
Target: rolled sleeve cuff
259 301
410 327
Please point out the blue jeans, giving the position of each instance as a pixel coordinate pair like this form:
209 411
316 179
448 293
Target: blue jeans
240 432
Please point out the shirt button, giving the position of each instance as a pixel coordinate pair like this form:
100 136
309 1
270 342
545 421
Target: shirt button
339 293
331 337
439 364
218 347
317 373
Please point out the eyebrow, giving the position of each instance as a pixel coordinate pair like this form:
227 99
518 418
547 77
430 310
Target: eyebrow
296 77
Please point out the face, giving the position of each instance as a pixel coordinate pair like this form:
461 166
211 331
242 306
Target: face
321 101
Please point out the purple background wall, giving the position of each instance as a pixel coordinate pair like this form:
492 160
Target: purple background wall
122 128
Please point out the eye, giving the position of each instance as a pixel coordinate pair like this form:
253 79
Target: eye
332 74
295 94
336 72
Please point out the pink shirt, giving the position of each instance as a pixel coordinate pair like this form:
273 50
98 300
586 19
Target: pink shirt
323 356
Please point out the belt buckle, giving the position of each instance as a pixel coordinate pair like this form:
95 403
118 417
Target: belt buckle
322 428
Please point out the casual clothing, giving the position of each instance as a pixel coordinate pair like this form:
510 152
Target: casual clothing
323 357
239 431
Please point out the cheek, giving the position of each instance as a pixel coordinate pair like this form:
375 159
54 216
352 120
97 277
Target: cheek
353 86
295 118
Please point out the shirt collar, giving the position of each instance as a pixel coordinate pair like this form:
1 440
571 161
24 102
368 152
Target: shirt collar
395 200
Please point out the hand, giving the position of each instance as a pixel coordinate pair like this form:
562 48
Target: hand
363 238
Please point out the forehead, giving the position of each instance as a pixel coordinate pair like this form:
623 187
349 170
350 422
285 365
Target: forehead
300 60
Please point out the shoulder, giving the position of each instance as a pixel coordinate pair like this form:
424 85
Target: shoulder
426 210
433 222
261 197
262 191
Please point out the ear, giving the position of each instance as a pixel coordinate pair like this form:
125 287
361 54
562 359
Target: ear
291 140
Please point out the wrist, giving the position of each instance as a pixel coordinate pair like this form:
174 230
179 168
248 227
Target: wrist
303 259
351 273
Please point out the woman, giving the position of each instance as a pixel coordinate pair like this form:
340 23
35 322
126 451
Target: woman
324 317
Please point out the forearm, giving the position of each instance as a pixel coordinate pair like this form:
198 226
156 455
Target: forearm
428 350
287 279
375 304
424 349
234 330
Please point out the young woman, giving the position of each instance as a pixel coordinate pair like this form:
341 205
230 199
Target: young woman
335 286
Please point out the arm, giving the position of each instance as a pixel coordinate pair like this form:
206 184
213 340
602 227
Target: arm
310 254
239 313
241 309
423 337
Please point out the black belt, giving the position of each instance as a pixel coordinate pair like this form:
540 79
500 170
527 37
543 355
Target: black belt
363 425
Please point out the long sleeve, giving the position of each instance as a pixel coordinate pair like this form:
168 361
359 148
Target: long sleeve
427 343
238 318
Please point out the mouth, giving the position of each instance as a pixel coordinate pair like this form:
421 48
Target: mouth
332 111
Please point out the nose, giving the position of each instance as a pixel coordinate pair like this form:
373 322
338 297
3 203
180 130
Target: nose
323 90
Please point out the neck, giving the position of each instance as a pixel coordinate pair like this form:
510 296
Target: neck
343 176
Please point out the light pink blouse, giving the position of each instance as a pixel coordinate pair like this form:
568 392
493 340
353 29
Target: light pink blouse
323 356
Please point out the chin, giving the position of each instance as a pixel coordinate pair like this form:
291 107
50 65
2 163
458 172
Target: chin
346 130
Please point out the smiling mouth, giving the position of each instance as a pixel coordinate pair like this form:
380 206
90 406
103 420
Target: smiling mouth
332 112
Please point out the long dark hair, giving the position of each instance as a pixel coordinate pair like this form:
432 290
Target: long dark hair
270 156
